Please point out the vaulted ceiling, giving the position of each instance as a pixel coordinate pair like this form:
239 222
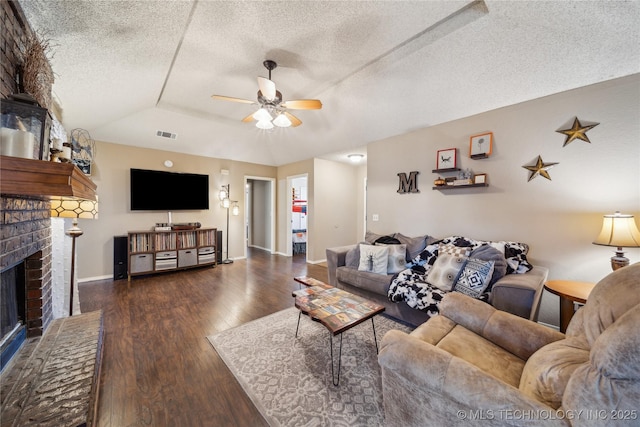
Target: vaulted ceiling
126 69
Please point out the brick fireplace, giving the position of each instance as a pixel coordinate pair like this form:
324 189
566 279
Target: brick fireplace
25 236
25 244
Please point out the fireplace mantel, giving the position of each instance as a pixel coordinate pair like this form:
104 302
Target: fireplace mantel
27 177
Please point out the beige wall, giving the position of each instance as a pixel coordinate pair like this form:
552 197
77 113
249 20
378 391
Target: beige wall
111 174
559 218
335 209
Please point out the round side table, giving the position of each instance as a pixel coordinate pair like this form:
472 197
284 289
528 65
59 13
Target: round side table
569 292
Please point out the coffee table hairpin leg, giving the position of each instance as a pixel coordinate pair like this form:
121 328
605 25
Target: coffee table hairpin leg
333 377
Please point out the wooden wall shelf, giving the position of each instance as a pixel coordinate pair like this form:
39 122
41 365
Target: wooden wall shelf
445 170
453 187
28 177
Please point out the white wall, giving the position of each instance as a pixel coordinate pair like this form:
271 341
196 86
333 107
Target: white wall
559 218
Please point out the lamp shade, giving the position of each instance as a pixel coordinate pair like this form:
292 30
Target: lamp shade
70 207
619 230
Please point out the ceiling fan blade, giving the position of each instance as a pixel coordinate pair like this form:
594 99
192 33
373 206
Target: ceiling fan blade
303 104
249 118
267 87
230 98
294 120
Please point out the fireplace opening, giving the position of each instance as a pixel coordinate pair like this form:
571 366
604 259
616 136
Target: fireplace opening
12 311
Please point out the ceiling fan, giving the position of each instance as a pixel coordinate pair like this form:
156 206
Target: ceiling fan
273 111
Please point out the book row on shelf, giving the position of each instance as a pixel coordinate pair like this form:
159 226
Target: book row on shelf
149 242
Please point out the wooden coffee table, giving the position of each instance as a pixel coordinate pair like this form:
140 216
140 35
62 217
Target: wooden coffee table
336 309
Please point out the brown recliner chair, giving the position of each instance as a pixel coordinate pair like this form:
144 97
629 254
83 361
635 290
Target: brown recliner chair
476 366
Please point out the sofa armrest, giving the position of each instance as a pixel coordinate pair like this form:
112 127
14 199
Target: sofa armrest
520 293
336 258
420 366
518 336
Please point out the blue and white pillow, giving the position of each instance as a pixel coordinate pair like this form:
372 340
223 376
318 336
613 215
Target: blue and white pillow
474 277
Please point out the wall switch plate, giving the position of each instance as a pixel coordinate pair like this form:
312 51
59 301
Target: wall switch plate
375 217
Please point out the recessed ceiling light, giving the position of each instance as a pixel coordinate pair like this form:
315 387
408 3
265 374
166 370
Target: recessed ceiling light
355 158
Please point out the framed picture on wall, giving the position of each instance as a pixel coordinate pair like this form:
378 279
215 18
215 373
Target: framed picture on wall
481 145
480 178
446 159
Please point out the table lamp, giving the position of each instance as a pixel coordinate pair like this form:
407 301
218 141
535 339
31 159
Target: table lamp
619 230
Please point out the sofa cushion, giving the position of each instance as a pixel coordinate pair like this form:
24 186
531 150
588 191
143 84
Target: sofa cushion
371 237
474 277
483 354
487 252
376 283
373 259
352 257
415 245
396 261
547 372
444 271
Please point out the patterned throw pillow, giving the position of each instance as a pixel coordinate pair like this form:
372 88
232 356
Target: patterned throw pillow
451 249
373 259
396 261
474 277
444 271
488 252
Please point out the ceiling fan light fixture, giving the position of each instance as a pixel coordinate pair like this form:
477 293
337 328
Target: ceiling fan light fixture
264 124
282 121
355 158
262 115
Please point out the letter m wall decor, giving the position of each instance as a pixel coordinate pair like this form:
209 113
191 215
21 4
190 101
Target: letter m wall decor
408 185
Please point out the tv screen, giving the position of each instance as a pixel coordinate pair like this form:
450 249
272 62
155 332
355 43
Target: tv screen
168 191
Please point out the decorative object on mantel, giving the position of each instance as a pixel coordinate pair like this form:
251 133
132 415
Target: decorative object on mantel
439 182
68 207
227 203
35 71
577 131
540 168
481 145
21 116
84 150
408 185
619 230
446 159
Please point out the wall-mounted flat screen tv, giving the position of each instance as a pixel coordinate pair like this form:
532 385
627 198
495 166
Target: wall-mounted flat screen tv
168 191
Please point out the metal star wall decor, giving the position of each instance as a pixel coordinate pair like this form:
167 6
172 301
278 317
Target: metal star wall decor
577 131
540 168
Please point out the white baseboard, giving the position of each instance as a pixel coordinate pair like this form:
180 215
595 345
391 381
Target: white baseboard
317 262
548 325
95 278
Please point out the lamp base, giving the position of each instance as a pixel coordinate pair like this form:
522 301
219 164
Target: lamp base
619 260
227 261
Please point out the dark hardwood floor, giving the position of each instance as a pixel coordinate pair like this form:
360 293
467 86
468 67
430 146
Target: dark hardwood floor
158 368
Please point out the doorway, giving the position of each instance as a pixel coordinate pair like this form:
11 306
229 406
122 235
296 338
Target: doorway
259 213
297 215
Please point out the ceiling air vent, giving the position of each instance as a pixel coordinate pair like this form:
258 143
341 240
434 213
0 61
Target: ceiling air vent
164 134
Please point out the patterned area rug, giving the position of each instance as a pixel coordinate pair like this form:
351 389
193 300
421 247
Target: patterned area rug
289 378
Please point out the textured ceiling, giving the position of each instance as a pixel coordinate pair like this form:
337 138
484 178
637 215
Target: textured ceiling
125 69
